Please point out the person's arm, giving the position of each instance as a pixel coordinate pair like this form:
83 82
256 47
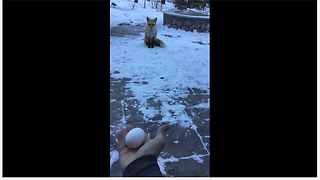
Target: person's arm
145 166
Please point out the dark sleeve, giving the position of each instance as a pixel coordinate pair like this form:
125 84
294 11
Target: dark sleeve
145 166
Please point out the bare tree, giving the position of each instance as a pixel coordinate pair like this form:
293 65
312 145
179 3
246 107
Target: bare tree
153 4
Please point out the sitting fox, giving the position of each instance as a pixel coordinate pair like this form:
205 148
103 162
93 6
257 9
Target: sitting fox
150 38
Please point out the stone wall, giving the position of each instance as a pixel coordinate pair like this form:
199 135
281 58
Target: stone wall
186 22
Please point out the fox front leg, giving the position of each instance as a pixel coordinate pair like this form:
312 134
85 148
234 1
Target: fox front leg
150 42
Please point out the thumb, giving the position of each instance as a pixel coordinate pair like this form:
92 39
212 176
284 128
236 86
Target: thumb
162 131
155 145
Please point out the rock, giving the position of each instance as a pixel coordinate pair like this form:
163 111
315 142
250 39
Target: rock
173 21
179 23
188 23
126 79
197 26
168 20
116 72
203 26
191 28
144 82
208 26
169 25
185 28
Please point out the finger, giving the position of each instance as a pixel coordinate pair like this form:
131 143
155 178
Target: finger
153 146
162 131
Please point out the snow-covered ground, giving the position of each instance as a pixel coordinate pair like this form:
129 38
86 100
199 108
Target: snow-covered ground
167 73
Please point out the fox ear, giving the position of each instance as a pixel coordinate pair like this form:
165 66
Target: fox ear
148 18
155 19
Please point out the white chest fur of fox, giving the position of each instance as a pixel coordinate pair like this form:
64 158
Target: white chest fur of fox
150 38
151 32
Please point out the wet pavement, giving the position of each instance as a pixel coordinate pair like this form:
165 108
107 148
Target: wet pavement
124 29
187 149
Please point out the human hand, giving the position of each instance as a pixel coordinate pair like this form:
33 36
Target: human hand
148 147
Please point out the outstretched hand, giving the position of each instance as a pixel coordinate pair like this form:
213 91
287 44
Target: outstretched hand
148 147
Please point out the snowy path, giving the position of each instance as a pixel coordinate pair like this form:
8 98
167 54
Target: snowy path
164 74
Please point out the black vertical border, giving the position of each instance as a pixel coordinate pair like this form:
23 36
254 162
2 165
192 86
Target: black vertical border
55 89
264 89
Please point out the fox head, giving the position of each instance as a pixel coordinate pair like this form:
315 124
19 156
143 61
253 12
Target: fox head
151 22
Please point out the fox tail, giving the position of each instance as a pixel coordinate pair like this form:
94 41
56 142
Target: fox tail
160 43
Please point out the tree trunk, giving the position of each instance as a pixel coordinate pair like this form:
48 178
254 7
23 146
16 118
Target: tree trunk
136 1
163 1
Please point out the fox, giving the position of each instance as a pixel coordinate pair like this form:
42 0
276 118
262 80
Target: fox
150 38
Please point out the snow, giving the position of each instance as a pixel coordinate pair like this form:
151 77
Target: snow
123 105
162 162
169 73
126 11
203 105
206 10
114 157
